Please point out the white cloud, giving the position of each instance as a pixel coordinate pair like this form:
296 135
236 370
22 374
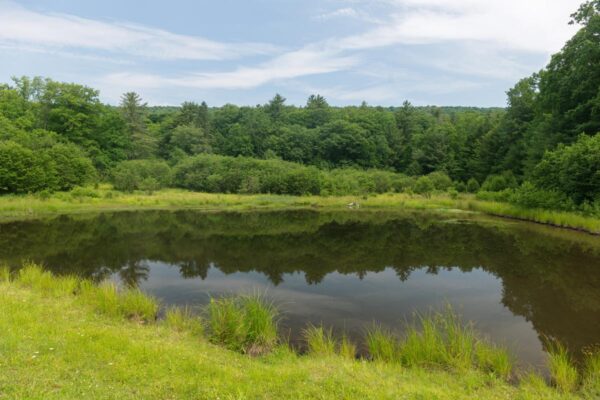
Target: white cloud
23 27
531 25
348 12
307 61
462 44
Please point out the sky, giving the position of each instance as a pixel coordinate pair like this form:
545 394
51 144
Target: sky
429 52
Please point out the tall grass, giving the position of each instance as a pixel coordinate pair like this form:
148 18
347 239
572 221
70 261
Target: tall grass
494 359
106 298
591 376
4 273
260 322
439 340
562 370
382 344
183 320
33 276
246 323
319 340
347 349
549 217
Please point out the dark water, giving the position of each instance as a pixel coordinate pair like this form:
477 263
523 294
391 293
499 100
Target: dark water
518 281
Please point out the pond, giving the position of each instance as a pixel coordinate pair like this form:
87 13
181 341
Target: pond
519 282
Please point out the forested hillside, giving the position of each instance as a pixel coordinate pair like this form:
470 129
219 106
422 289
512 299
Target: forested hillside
543 150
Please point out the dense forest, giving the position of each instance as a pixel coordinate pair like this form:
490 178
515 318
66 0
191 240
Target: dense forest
542 150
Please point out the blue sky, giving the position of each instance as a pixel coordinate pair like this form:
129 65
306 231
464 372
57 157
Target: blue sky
442 52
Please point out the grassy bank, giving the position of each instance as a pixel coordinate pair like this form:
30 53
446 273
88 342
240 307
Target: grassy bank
105 199
63 338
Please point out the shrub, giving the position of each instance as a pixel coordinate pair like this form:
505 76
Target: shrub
530 196
472 185
80 192
497 183
221 174
572 170
424 186
460 187
71 166
24 171
51 167
141 175
440 180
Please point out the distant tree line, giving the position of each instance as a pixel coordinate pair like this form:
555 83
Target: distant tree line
544 145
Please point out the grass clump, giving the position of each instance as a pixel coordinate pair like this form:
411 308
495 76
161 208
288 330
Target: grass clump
183 320
347 349
134 304
130 303
33 276
493 359
438 340
382 344
564 374
320 341
4 273
591 376
247 324
441 339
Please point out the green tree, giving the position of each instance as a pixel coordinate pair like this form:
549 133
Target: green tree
317 111
191 139
193 114
276 107
143 145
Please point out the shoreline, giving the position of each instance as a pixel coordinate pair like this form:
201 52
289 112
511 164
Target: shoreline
68 338
28 207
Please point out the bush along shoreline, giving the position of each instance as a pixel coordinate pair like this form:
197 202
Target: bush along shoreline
248 325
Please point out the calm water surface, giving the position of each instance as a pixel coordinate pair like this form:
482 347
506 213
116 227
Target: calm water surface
517 281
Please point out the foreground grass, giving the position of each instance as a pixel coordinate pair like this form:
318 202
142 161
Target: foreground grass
57 342
105 199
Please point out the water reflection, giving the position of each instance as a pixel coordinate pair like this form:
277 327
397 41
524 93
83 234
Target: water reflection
517 281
